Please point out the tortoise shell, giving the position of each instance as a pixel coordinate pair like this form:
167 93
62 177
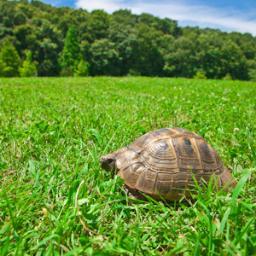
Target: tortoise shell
166 163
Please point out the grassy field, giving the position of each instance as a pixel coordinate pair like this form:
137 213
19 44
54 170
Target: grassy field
55 199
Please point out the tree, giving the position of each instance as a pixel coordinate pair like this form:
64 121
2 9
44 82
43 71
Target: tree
2 67
227 77
19 18
124 17
252 75
98 25
70 54
180 61
252 69
124 38
49 45
120 43
82 68
10 61
26 37
234 61
104 58
209 54
147 58
28 67
200 75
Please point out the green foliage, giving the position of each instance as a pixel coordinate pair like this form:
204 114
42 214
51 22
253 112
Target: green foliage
200 75
98 24
82 68
252 69
133 72
227 77
70 54
252 74
9 60
141 44
56 200
147 57
104 57
234 61
19 18
2 67
180 59
28 67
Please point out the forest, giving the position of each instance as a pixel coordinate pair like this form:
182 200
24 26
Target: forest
37 39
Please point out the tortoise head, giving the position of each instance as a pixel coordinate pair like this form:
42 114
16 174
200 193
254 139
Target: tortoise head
118 159
108 162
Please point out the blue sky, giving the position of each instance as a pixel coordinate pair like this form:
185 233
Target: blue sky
228 15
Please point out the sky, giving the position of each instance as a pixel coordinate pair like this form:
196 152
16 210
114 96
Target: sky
227 15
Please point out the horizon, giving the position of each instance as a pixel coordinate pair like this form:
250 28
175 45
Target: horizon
227 16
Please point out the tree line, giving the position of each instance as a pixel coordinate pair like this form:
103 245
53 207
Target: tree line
39 39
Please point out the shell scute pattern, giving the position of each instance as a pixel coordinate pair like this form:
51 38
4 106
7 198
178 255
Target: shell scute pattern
187 155
173 159
210 160
166 163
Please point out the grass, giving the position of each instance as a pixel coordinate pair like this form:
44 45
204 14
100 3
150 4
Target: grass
55 199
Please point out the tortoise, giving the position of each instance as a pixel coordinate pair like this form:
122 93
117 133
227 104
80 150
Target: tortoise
167 164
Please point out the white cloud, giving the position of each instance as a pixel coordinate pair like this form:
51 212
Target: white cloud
201 15
109 6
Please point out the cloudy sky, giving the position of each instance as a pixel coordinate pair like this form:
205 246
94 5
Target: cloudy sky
228 15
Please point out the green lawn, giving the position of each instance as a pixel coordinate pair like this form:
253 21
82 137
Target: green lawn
55 199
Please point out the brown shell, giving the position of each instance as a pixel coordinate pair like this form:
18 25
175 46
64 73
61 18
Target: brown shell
168 161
